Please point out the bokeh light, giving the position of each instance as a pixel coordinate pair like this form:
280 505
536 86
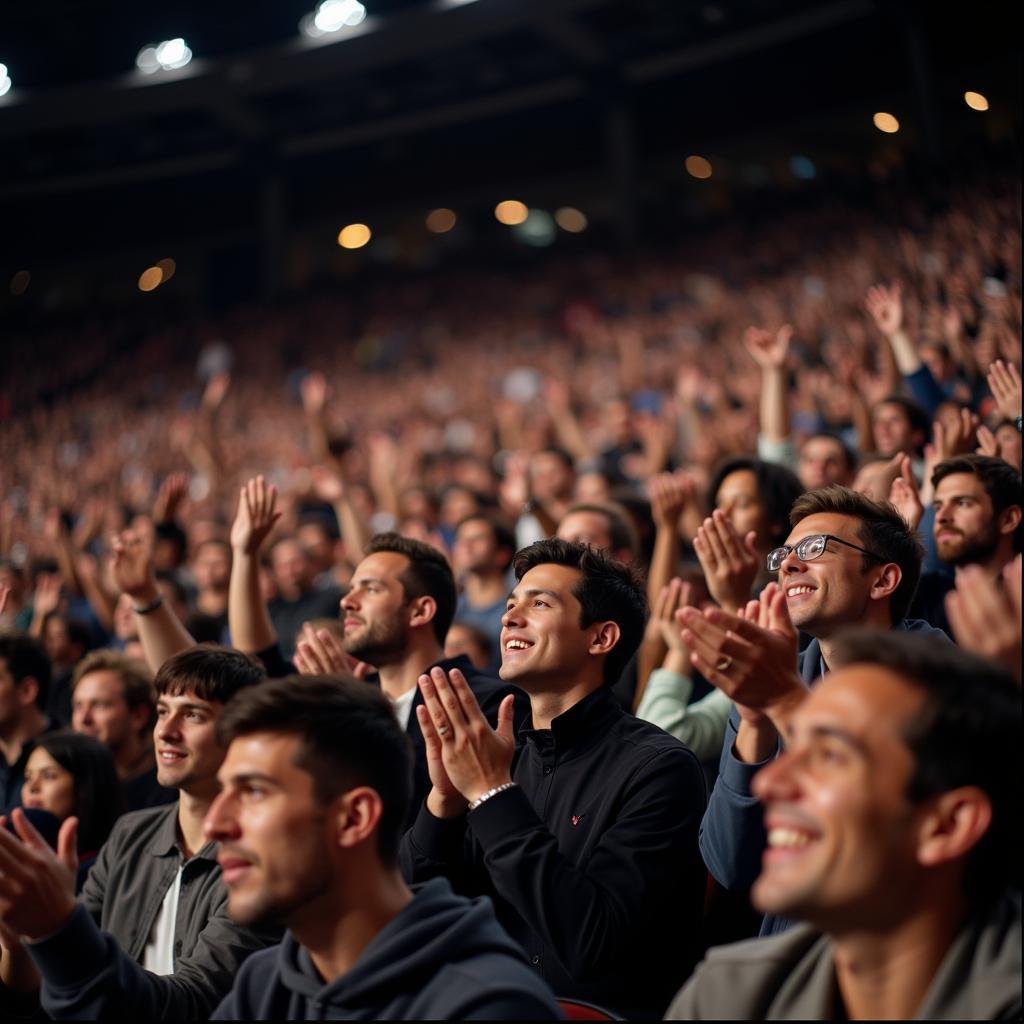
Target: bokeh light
511 211
441 220
886 123
698 166
570 219
167 268
354 236
150 278
975 101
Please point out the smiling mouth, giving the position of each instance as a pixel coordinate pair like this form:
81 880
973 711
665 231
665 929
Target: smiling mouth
518 645
799 591
171 756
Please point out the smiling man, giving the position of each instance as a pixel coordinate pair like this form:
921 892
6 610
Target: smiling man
315 789
848 561
583 835
894 832
149 937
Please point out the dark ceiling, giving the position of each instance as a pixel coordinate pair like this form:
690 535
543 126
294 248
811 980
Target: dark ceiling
437 103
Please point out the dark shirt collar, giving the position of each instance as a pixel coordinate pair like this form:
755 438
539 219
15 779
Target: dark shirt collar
586 718
165 840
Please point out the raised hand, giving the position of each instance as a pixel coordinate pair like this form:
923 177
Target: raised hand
171 494
730 562
905 496
956 437
886 308
669 493
987 442
46 598
132 567
314 393
256 516
319 652
328 485
985 615
750 657
216 389
465 756
674 596
769 350
1005 384
37 886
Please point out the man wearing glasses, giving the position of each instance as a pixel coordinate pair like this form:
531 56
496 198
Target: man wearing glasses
848 561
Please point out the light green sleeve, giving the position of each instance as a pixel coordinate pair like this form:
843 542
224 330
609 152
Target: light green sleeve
701 725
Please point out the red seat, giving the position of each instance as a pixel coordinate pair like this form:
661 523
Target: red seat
574 1009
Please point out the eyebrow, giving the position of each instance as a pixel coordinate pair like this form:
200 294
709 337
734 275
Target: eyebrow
836 733
247 778
536 592
208 709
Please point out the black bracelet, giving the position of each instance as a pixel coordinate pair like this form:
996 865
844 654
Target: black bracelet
145 609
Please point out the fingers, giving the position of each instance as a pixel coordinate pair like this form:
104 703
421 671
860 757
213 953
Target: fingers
440 726
443 703
506 718
67 843
431 740
26 831
660 611
710 640
464 695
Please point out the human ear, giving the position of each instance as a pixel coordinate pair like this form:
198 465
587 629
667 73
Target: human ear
423 610
887 582
954 825
357 815
1009 519
606 636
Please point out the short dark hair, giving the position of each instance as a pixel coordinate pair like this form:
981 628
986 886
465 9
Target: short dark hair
916 414
620 524
777 486
1001 481
849 456
136 679
26 658
882 530
427 575
349 737
175 535
504 535
968 733
99 797
210 671
607 591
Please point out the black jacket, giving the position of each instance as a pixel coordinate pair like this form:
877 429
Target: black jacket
443 957
591 859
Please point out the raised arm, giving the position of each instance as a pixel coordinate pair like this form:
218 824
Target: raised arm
248 618
160 632
769 352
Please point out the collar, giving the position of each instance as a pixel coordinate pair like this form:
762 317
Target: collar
586 718
165 839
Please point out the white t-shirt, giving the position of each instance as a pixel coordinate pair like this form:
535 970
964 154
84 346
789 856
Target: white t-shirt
403 707
158 957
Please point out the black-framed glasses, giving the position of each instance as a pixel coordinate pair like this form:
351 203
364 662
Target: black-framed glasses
812 547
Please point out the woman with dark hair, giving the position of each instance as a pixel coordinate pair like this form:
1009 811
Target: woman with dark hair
71 774
751 501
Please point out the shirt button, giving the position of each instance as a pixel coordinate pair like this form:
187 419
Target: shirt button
548 769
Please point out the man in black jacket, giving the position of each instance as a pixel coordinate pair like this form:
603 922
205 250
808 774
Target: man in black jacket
585 836
315 787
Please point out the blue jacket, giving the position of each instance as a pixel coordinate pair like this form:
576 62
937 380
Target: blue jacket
732 835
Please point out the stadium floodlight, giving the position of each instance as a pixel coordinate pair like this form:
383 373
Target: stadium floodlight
5 80
146 60
334 15
172 54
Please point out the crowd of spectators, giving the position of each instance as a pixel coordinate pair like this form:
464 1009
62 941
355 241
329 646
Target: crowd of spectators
719 458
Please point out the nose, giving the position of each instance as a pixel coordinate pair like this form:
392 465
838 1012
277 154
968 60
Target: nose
167 727
220 823
776 780
511 616
349 601
791 564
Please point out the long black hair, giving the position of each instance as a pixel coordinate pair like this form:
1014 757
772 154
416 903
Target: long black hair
99 798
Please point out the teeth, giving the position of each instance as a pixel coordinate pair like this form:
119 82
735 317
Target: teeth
793 591
516 645
787 837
